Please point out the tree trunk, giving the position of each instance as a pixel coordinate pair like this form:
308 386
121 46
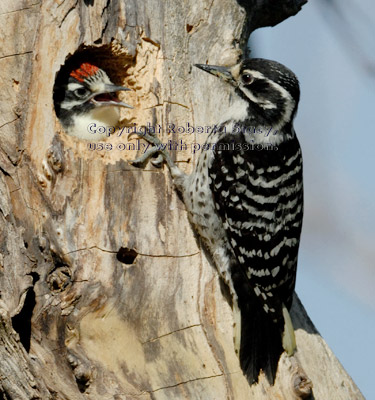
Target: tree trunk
105 292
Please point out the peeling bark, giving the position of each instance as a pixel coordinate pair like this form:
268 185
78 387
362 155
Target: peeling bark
105 292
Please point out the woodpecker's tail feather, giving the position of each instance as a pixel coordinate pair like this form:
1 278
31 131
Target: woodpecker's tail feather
260 343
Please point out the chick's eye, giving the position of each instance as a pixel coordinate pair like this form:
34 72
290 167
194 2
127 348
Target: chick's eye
247 79
81 92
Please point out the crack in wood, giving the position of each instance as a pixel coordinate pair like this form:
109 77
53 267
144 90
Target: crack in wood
183 383
205 19
68 12
170 333
168 102
21 9
141 254
149 40
17 54
168 255
135 169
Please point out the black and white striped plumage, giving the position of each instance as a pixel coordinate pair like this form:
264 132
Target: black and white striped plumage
250 194
245 199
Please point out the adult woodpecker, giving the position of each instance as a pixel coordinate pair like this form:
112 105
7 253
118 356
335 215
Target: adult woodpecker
245 200
84 96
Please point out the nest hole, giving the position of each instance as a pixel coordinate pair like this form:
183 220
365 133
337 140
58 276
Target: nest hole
111 58
126 256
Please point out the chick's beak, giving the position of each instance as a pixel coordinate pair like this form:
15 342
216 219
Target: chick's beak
107 97
223 73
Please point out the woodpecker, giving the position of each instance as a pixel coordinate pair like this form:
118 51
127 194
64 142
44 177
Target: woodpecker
245 200
85 96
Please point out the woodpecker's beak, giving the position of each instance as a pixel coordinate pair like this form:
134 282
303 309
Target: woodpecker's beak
223 73
107 97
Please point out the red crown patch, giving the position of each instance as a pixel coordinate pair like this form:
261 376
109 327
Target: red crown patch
84 71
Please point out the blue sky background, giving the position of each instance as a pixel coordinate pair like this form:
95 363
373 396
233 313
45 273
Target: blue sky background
332 53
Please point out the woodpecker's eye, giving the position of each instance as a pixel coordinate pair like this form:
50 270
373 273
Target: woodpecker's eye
247 79
81 92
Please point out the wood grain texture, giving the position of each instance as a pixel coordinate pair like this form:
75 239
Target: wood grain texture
104 325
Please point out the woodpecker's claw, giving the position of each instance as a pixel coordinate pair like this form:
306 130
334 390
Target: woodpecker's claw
150 137
158 148
141 161
158 161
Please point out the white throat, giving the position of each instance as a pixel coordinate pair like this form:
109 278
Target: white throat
83 127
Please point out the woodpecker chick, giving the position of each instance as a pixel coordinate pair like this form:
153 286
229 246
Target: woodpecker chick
87 96
245 200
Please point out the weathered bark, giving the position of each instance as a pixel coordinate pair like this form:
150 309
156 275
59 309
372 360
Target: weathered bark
105 292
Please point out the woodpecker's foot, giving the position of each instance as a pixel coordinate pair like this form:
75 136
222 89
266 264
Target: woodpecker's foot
162 155
150 137
141 161
157 149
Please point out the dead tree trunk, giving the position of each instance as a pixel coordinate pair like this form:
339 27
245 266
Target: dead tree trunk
105 293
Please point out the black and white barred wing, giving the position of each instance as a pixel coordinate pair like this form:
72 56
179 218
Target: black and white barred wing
259 198
258 195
